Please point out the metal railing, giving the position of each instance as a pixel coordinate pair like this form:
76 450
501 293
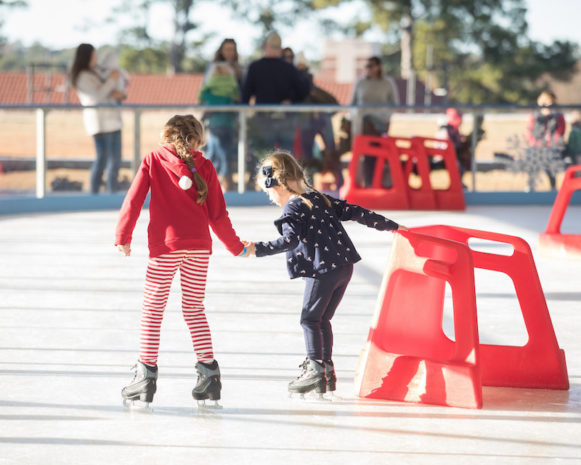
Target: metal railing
244 113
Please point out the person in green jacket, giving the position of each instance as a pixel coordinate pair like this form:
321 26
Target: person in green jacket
221 89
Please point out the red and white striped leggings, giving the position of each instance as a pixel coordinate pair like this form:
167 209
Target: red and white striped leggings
193 266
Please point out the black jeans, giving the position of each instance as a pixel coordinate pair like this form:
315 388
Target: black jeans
322 297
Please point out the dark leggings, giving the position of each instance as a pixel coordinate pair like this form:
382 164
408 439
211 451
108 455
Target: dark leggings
322 297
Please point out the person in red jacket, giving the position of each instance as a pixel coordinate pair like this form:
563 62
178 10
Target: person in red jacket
185 201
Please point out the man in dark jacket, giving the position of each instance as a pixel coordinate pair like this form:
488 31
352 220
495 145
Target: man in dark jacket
271 80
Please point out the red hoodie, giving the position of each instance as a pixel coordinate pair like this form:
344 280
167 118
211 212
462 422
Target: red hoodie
176 221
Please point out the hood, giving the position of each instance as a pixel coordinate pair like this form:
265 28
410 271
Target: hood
177 166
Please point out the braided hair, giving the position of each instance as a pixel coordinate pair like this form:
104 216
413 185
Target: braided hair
185 133
286 168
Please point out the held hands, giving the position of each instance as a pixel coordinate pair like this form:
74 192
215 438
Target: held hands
125 249
249 249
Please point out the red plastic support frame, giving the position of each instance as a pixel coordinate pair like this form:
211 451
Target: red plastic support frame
552 242
422 197
451 198
540 363
376 196
407 356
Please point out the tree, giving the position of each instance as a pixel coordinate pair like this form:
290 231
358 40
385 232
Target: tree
9 4
141 53
480 48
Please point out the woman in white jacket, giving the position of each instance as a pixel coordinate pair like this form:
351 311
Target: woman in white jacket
104 124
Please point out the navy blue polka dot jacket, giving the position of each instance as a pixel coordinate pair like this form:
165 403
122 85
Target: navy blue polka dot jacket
314 239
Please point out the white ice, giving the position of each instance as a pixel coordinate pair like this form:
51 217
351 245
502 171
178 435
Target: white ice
69 326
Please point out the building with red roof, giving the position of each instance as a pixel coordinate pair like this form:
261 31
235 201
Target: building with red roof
40 88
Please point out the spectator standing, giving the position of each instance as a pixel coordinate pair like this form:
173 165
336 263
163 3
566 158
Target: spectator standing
104 124
271 80
317 123
227 53
374 89
221 89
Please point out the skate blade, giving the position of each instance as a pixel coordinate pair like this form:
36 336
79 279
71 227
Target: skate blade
203 406
308 397
330 395
137 406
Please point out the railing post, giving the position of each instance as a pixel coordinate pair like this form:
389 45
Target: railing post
40 153
136 140
242 139
356 123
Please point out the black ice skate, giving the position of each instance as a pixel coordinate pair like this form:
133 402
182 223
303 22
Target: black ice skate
143 386
331 379
312 378
208 385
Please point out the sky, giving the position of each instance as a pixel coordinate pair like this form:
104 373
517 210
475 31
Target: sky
85 21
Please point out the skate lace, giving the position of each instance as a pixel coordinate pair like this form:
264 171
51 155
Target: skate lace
304 366
134 370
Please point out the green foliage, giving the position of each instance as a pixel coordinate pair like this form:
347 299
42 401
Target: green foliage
480 48
15 56
147 60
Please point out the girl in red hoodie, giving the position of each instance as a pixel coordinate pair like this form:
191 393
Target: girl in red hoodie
185 200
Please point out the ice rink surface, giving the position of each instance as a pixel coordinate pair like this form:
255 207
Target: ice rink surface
69 321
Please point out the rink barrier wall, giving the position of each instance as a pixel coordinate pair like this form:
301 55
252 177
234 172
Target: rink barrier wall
15 205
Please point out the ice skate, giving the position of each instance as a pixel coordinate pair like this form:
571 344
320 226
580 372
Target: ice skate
139 393
208 386
331 380
311 379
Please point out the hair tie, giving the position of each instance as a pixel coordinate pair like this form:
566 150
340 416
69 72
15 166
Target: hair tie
193 170
269 180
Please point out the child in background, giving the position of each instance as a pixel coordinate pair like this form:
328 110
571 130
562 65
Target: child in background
318 250
186 200
220 89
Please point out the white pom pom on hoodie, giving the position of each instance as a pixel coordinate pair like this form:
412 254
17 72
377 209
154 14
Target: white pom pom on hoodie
185 182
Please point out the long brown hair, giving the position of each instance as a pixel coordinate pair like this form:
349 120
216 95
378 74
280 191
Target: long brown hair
185 132
286 168
82 61
219 55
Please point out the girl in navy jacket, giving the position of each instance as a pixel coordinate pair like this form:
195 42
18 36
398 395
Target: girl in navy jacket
318 250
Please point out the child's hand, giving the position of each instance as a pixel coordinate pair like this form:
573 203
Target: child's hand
244 252
125 249
250 249
401 227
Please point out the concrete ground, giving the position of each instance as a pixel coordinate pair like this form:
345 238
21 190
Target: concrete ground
69 320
